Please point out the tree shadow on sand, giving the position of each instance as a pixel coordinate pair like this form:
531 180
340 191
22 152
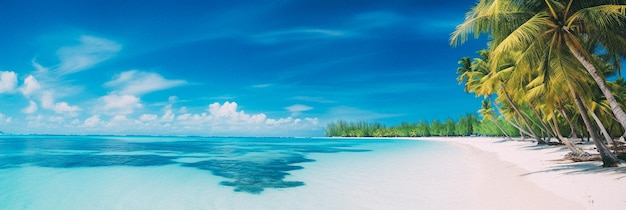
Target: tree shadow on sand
582 168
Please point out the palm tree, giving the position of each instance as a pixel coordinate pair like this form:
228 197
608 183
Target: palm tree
533 26
503 80
464 71
608 159
483 82
487 113
547 34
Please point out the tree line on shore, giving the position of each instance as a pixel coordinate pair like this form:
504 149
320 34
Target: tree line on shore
467 125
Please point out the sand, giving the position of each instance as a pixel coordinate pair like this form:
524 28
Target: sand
521 175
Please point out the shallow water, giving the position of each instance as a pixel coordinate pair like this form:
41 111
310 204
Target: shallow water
99 172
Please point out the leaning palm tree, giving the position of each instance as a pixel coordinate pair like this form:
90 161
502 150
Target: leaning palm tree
547 34
483 82
532 25
488 113
508 86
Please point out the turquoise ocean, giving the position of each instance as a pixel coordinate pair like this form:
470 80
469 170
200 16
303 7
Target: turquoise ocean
140 172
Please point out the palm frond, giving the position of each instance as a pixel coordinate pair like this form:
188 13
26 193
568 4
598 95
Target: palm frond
598 18
522 37
491 17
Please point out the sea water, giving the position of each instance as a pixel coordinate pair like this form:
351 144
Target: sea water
112 172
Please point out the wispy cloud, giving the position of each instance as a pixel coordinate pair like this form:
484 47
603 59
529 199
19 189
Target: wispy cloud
220 98
298 34
297 109
89 52
139 82
355 26
313 99
262 85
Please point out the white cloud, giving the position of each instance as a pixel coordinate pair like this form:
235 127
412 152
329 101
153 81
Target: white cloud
56 119
114 104
169 114
92 121
228 114
139 82
8 81
226 118
148 117
90 51
184 117
32 108
30 86
47 102
119 118
217 119
65 107
227 110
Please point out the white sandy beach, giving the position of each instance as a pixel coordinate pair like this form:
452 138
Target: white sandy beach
522 175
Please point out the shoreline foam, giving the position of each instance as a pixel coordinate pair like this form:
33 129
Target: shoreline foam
568 185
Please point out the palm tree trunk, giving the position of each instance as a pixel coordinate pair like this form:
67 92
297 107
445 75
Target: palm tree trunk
619 113
606 134
608 159
501 129
519 127
565 141
569 121
514 124
540 117
508 98
554 130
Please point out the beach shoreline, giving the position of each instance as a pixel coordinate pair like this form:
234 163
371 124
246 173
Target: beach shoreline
515 174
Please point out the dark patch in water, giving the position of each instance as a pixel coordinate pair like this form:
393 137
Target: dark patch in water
253 176
224 157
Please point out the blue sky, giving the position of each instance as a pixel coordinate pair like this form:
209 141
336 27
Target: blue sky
236 68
